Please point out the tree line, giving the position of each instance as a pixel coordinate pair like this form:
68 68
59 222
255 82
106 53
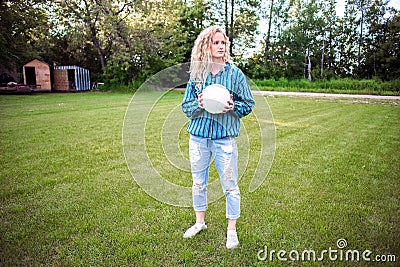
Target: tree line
122 42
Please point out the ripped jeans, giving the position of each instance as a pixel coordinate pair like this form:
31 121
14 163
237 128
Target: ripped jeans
225 154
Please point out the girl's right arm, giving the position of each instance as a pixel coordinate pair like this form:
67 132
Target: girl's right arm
190 104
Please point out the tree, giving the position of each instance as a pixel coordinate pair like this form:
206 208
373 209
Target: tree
382 50
267 40
329 31
240 18
347 42
126 40
303 38
92 16
23 24
192 19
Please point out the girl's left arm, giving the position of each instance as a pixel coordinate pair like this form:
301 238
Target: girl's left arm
242 99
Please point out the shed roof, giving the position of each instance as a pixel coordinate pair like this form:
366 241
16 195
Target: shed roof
36 61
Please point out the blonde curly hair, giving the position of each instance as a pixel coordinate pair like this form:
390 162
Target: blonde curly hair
201 60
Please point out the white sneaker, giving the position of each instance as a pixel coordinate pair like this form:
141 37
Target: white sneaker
192 231
232 240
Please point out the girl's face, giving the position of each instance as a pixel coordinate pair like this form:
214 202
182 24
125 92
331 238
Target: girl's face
218 47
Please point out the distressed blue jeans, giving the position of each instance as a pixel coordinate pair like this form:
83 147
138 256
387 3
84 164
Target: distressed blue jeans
225 154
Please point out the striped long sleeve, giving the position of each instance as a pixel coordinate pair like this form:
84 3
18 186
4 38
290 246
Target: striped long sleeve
216 126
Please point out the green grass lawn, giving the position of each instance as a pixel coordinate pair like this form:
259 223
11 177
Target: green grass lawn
68 198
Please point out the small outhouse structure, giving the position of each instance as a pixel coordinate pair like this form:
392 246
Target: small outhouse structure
37 75
71 78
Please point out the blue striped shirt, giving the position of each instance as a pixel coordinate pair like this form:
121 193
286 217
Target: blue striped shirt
217 126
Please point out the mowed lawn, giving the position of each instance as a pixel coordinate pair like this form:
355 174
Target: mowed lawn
68 198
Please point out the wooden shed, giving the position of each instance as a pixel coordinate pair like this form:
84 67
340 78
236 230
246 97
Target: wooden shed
37 75
71 78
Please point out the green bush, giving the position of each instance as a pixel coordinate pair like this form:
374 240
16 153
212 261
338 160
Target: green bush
346 85
121 88
391 86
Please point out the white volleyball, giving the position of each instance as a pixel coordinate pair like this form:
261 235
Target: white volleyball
215 98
